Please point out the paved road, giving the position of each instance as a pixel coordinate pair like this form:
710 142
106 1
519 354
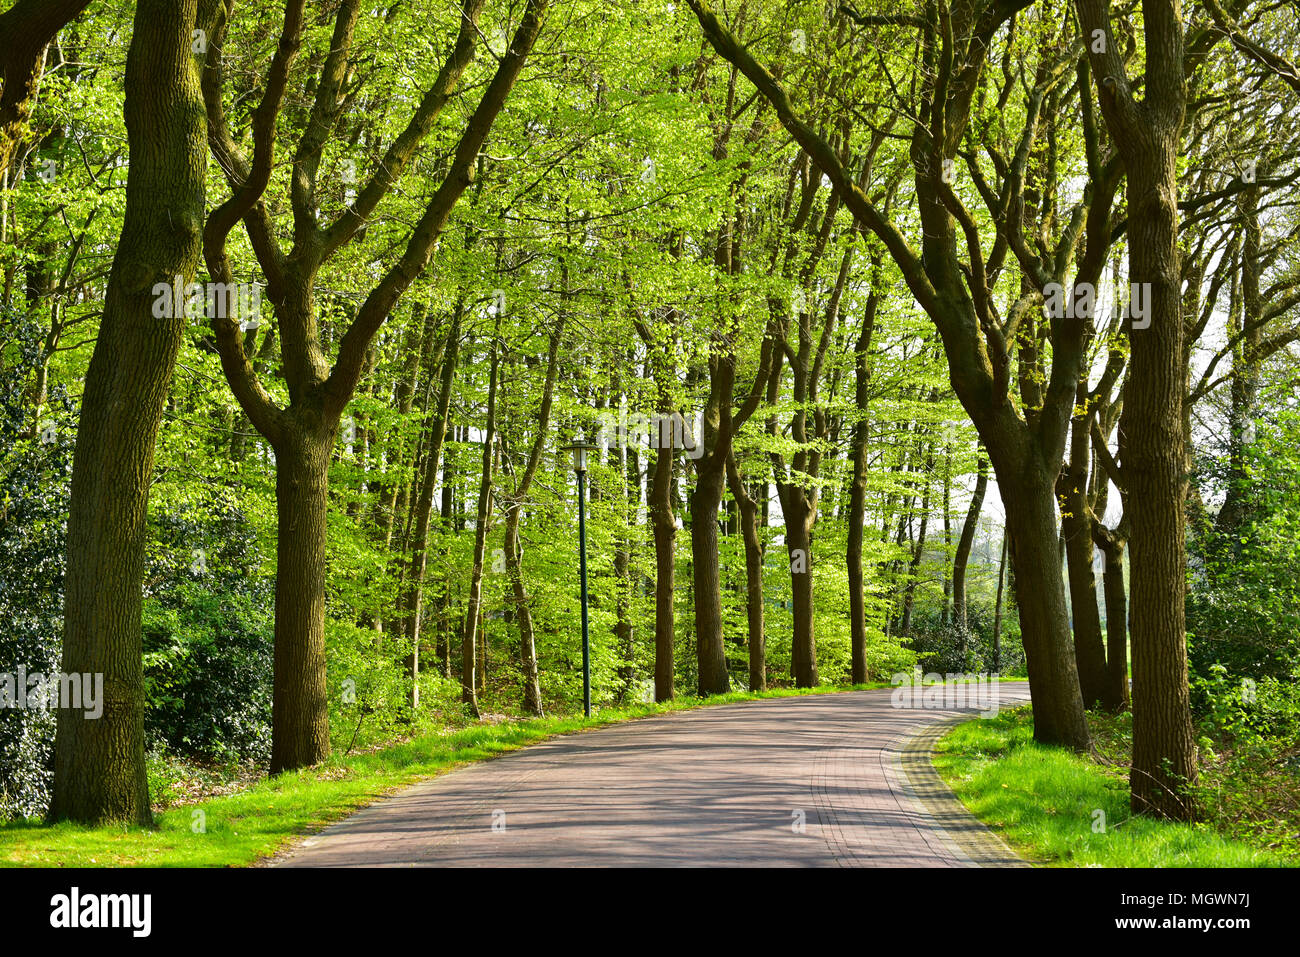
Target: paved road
811 781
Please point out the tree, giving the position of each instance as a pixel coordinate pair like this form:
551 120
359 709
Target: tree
99 765
1026 451
858 488
28 28
1147 135
513 508
965 541
482 517
303 432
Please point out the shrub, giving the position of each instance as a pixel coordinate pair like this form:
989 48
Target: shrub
208 634
1243 606
35 471
939 644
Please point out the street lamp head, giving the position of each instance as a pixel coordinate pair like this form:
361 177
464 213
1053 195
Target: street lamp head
579 451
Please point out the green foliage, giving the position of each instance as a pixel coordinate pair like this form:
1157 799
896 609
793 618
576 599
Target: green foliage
35 471
623 159
1064 809
1246 663
939 644
207 633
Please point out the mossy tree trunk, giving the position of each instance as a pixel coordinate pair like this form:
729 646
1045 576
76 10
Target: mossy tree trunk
99 764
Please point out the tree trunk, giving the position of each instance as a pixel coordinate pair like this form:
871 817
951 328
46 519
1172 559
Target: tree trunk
532 698
1116 697
997 608
1153 441
1152 457
711 654
753 577
1030 505
481 673
803 648
853 557
413 600
99 765
482 516
300 712
1076 531
858 495
964 544
665 533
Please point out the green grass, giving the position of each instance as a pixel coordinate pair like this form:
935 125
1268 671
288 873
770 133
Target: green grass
241 828
1043 802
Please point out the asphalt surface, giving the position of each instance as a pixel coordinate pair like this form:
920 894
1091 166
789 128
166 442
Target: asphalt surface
816 781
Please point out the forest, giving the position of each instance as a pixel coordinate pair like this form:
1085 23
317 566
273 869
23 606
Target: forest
959 335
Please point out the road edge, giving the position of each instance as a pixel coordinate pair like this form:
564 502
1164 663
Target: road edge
976 841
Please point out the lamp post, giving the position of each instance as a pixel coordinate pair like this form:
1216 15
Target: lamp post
579 451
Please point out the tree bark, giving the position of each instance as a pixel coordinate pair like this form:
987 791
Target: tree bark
483 515
754 611
99 765
710 651
1152 436
858 490
664 523
1030 507
299 710
1076 530
964 544
1116 697
798 536
532 692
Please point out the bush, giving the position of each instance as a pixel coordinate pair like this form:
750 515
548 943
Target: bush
1243 606
939 645
208 634
35 471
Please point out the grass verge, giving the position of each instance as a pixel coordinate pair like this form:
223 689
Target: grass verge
241 828
1062 809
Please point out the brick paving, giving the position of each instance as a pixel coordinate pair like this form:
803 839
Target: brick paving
814 781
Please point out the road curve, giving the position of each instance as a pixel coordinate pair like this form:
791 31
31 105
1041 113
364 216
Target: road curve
812 781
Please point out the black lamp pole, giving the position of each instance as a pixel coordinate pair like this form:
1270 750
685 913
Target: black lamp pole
582 572
579 451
